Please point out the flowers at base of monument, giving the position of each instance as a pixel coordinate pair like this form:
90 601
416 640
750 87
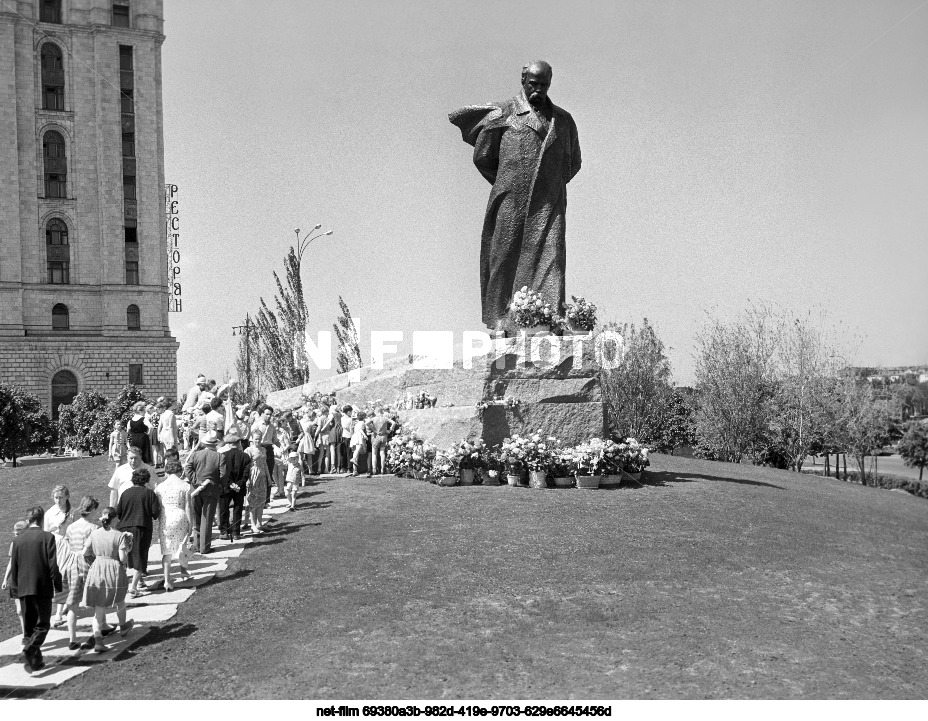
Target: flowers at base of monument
533 452
597 457
409 455
528 309
580 313
469 454
633 457
442 466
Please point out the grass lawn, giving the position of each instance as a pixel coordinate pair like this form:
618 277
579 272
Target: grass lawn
714 581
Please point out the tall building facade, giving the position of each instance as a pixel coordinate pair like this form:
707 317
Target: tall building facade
83 254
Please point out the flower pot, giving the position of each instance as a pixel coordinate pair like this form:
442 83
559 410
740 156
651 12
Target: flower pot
611 480
447 480
491 478
512 479
563 481
467 476
537 479
634 477
587 481
577 330
536 330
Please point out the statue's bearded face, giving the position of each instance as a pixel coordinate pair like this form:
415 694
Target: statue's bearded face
535 84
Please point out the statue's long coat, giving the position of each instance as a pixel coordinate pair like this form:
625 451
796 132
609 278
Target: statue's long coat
529 166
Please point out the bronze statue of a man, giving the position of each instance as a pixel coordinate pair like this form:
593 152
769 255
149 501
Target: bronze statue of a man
527 148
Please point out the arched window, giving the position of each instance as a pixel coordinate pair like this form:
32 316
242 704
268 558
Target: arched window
57 251
56 165
133 318
64 388
52 77
50 11
61 317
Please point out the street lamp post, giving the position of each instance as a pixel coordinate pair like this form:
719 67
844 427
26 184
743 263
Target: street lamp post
302 245
246 330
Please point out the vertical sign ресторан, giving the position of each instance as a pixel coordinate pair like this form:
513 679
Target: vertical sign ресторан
172 233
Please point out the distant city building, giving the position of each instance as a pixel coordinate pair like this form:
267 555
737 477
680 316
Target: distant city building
83 256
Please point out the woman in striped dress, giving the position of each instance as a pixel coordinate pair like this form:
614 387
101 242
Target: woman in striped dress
75 573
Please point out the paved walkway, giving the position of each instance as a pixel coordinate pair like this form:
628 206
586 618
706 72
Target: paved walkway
147 611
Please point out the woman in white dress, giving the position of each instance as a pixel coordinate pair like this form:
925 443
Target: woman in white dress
167 426
57 520
176 519
306 446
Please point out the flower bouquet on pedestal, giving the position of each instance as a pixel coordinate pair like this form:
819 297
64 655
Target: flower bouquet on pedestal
580 315
443 469
538 455
531 312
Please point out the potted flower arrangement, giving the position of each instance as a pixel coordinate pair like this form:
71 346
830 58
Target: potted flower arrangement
530 311
563 462
409 456
538 455
580 315
468 456
443 470
512 456
590 464
633 459
492 467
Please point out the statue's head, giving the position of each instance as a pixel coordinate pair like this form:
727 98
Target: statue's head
536 79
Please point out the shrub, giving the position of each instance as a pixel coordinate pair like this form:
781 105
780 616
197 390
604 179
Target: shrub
80 423
910 485
25 427
914 447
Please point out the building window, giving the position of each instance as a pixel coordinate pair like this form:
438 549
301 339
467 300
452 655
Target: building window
132 272
61 318
52 77
132 234
120 16
125 57
135 374
59 272
56 233
56 165
133 318
64 388
58 252
126 102
128 187
50 11
128 145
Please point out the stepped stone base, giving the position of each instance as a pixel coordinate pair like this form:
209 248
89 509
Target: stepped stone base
559 393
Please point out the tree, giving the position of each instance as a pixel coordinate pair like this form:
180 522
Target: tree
25 427
807 365
735 382
675 427
914 447
349 347
283 333
637 391
861 423
250 366
79 423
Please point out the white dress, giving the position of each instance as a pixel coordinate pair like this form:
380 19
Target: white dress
168 433
57 521
174 528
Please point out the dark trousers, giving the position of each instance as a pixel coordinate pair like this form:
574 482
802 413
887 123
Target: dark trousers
236 502
204 511
37 617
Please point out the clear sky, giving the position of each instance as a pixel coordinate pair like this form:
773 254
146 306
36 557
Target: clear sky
775 151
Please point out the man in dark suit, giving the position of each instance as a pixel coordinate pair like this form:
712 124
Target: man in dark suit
237 467
205 468
34 580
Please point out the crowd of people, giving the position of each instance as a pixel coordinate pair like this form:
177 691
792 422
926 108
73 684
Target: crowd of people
222 465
